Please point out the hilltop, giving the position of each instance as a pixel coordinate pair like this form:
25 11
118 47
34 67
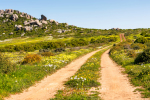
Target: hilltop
16 24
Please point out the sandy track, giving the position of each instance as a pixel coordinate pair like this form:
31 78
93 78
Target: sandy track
48 87
115 85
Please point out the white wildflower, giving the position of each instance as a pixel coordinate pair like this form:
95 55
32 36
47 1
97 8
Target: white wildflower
75 77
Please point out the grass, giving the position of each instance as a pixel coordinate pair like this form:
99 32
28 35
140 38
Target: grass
27 75
139 73
77 87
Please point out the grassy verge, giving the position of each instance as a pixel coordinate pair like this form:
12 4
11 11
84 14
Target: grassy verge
25 40
78 85
139 73
27 75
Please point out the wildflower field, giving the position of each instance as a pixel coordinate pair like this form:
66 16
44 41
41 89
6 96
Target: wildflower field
27 65
26 75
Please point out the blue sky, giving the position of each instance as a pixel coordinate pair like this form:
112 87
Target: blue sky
99 14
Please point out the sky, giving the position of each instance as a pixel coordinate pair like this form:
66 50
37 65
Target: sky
98 14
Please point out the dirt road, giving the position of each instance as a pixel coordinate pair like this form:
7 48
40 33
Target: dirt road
48 87
115 85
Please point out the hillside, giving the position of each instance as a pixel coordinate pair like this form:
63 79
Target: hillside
15 24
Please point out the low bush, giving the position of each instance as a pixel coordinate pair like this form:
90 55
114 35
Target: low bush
147 44
131 53
129 41
143 57
120 46
126 46
44 50
5 65
92 40
18 48
31 58
141 40
47 54
114 44
137 46
59 50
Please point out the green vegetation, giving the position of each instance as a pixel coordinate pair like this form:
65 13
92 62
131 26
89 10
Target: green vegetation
78 85
5 65
26 75
31 58
141 40
143 57
41 51
137 46
134 57
57 44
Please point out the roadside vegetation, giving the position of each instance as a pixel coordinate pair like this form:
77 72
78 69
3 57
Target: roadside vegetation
33 68
20 70
134 56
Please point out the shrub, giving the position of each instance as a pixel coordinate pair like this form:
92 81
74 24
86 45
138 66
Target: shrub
103 40
131 53
9 48
126 46
47 54
147 44
141 40
92 40
5 65
44 50
31 58
112 39
59 50
137 46
18 47
82 42
143 57
22 52
129 41
120 46
143 33
28 47
115 48
114 45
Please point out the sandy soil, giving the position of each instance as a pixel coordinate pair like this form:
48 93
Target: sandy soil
114 84
48 87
